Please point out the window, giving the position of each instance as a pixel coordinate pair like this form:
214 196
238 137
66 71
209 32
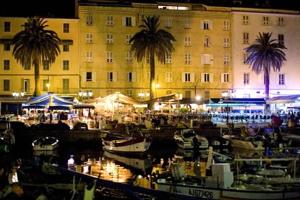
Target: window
26 67
65 65
6 46
6 64
206 78
187 77
245 57
187 58
6 85
89 38
46 65
266 20
89 76
109 38
226 59
66 48
131 77
246 78
169 22
169 77
129 57
206 41
226 42
109 21
280 21
66 28
245 20
109 58
89 56
6 26
281 79
187 23
128 21
225 78
45 84
206 59
66 85
128 38
226 25
26 85
206 25
168 58
245 38
89 20
281 39
111 76
187 41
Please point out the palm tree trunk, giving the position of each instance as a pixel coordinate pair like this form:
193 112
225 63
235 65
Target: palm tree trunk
267 88
36 79
152 77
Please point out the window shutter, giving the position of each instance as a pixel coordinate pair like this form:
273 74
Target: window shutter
183 77
93 76
133 21
210 23
124 21
133 77
107 77
192 77
211 77
115 76
202 59
202 25
222 78
202 77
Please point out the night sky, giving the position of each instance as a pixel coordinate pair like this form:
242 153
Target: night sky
65 8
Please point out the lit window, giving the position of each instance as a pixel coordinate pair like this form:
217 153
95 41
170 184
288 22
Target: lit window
6 64
281 79
206 78
131 77
226 25
225 78
109 58
187 77
281 39
110 76
246 78
266 20
109 20
66 48
89 76
280 21
128 38
169 77
187 58
89 38
89 56
129 57
66 28
7 27
89 20
245 38
226 59
187 41
245 20
26 85
168 58
226 42
109 38
206 25
65 65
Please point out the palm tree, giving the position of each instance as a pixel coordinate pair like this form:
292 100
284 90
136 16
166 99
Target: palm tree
35 45
265 53
152 41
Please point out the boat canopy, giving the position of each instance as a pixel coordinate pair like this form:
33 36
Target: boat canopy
284 99
50 101
233 102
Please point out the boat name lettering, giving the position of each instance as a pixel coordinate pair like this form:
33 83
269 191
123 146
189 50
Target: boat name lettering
201 193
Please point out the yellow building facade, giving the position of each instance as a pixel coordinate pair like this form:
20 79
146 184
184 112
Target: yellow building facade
199 66
60 77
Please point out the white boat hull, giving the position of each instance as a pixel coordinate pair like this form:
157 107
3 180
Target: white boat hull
242 144
216 194
132 147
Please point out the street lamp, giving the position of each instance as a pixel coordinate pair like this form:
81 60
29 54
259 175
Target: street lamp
48 86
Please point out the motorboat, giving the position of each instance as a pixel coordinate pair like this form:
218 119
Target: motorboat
187 138
142 164
45 144
191 181
127 140
249 143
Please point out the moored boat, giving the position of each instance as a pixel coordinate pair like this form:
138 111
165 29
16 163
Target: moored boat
45 144
187 139
129 140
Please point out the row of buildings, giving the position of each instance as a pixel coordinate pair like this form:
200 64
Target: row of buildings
208 61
